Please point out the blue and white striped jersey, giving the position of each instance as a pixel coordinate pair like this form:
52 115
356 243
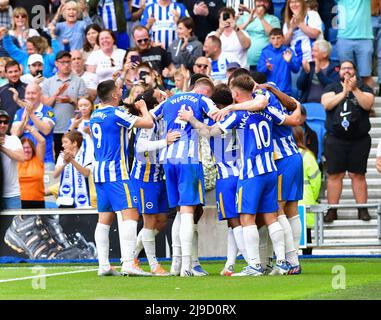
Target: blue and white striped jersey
107 12
164 28
219 67
109 129
136 3
185 150
146 166
226 153
284 143
254 130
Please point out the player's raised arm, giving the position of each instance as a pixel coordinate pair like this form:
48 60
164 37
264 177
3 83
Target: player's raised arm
294 119
257 104
288 102
146 120
204 129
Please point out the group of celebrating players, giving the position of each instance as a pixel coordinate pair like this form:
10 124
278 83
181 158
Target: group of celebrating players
258 167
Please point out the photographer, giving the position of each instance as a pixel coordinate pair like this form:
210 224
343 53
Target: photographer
149 77
36 66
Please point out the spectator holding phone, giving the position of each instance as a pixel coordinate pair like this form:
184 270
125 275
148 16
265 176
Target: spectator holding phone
129 75
277 61
36 67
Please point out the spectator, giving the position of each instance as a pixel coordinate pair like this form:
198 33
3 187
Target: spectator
312 180
149 77
71 32
81 121
161 18
90 79
13 74
309 135
234 40
181 78
159 59
186 49
230 68
61 92
134 92
20 27
73 167
301 28
376 24
218 59
115 14
108 59
34 114
5 14
317 74
36 67
31 171
129 75
34 44
202 65
355 36
327 11
3 77
90 44
205 15
277 61
348 142
4 53
11 153
30 7
258 24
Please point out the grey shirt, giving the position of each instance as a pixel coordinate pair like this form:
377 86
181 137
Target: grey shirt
64 111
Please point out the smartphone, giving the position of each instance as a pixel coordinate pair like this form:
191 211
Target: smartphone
77 114
39 73
225 16
135 59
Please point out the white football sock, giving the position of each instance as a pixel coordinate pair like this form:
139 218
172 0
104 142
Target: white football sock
195 261
139 242
120 231
102 243
276 234
148 239
296 227
288 239
263 235
270 251
232 249
186 238
129 239
176 244
251 237
240 241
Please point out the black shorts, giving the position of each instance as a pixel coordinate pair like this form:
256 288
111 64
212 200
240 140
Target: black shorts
347 155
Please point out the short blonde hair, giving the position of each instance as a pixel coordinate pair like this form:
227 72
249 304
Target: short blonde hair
20 11
71 4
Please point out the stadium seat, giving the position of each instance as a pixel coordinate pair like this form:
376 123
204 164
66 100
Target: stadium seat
316 120
332 38
278 7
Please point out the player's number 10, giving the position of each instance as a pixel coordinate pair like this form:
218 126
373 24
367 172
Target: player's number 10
262 139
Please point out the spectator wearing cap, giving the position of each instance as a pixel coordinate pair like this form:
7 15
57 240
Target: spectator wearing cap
61 92
36 67
35 44
35 115
202 65
13 74
11 152
235 41
317 74
278 61
231 67
218 59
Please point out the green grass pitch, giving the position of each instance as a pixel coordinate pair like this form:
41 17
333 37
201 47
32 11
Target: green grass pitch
361 278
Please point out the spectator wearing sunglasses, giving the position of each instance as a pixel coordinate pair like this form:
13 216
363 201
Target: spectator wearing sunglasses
158 58
202 65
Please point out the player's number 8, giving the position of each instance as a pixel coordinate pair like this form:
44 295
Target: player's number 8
97 134
262 139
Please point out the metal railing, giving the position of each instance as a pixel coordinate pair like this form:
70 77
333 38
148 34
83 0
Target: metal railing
321 209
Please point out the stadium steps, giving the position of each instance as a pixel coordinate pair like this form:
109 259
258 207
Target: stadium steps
348 229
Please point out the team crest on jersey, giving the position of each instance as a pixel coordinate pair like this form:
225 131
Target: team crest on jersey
149 205
135 198
50 114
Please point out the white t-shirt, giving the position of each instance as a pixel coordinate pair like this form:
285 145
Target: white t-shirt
28 79
103 63
21 39
232 47
300 42
11 176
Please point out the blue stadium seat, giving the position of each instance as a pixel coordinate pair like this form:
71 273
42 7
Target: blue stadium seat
278 7
332 38
316 120
332 35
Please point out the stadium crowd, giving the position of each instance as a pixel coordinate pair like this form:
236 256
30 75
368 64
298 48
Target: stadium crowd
60 65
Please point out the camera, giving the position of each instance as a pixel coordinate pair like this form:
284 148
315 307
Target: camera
225 16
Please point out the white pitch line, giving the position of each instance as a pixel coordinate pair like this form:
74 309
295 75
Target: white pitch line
46 275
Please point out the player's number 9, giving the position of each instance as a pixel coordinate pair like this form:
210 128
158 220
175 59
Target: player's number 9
262 139
97 134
